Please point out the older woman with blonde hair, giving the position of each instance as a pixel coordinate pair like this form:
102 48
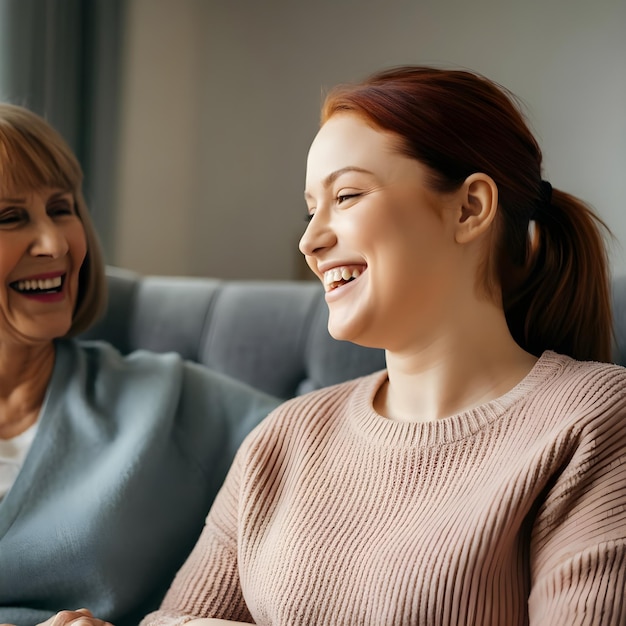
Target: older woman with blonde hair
107 463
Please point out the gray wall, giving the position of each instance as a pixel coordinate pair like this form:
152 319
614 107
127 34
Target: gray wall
221 101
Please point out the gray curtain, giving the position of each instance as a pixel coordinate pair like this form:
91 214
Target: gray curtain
62 59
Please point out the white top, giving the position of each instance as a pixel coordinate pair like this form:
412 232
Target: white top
12 454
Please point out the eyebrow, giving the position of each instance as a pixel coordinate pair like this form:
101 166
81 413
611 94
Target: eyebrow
333 176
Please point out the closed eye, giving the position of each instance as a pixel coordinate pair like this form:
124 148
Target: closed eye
61 209
346 196
13 217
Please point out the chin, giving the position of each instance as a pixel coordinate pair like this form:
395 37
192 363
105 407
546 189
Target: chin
358 333
349 331
339 327
50 334
338 335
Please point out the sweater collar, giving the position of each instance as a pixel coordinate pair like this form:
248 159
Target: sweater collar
384 431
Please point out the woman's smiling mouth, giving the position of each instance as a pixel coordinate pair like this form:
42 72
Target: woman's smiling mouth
341 275
39 286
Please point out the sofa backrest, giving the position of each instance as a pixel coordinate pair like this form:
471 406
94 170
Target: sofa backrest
270 334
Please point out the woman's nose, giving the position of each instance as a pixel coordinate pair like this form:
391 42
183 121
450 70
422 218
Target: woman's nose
49 240
317 236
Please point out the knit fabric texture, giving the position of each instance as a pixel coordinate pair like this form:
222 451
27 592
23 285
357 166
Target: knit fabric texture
508 514
128 456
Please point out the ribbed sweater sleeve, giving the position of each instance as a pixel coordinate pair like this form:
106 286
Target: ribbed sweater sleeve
578 558
509 514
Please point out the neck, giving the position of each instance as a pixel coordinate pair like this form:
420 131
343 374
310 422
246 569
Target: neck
473 363
24 375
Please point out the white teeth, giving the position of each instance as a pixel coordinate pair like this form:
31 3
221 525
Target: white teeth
338 274
41 285
332 276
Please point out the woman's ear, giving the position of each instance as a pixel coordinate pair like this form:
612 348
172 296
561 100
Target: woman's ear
478 207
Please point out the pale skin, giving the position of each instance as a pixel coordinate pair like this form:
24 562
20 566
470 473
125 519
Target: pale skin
421 253
419 256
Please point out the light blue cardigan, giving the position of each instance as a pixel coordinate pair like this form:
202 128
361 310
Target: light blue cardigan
129 454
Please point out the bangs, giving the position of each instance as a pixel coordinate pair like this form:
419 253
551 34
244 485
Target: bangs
27 163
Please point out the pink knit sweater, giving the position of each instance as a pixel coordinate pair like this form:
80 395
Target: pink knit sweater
508 514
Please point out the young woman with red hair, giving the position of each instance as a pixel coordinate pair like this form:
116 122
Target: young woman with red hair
481 478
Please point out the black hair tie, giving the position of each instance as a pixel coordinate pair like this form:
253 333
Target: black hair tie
545 200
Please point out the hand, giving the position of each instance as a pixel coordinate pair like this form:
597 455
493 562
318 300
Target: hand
80 617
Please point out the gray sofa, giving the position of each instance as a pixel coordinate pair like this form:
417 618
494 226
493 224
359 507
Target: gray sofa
270 334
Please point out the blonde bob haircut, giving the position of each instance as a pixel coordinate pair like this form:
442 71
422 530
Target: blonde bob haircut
33 156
